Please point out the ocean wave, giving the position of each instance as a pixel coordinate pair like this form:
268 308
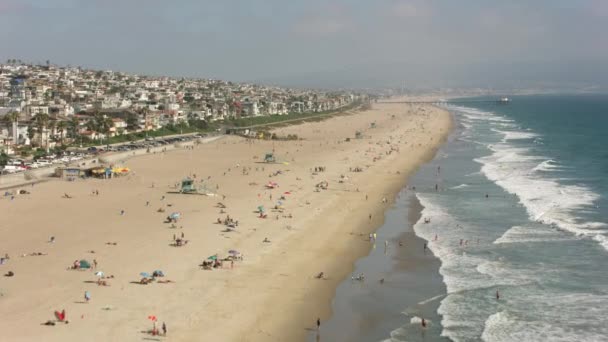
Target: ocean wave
546 200
543 315
515 135
528 234
461 186
547 165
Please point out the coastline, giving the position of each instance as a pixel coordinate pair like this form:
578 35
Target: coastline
411 283
327 234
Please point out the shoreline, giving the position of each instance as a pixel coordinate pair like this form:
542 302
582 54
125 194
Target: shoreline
370 310
327 233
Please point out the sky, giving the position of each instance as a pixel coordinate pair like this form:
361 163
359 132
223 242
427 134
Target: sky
320 43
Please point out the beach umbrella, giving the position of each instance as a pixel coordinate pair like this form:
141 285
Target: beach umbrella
260 208
213 257
159 273
233 252
145 275
99 274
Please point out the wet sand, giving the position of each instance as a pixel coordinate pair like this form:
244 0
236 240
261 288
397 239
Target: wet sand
371 310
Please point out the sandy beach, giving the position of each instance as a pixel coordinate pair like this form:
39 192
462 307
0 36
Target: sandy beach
272 294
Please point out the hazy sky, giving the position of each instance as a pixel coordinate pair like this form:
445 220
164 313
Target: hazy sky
319 42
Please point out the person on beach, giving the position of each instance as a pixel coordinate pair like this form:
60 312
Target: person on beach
318 323
423 323
87 296
94 264
164 327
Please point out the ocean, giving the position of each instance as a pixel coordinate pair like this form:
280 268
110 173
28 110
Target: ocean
540 237
517 211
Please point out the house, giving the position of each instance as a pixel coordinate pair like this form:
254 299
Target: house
119 127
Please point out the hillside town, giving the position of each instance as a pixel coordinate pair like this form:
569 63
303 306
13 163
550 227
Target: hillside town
45 106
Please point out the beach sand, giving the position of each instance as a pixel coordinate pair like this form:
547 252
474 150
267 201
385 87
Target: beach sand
272 294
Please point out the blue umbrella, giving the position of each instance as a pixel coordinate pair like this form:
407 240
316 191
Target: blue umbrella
233 252
145 275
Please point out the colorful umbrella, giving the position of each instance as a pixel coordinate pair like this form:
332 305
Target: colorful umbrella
213 257
145 275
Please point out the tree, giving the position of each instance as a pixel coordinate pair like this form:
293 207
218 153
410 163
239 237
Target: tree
51 127
30 132
73 125
61 127
3 159
102 123
10 120
42 121
132 121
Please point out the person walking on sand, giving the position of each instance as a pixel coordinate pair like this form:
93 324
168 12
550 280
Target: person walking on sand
164 327
87 296
94 264
318 324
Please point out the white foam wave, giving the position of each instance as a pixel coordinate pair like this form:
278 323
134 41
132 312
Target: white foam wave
547 165
432 299
515 135
545 199
479 115
461 186
526 234
418 320
579 312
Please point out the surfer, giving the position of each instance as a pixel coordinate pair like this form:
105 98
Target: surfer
423 322
497 295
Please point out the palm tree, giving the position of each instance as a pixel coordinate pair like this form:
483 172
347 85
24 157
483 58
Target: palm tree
11 120
145 112
42 122
51 127
62 126
100 124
